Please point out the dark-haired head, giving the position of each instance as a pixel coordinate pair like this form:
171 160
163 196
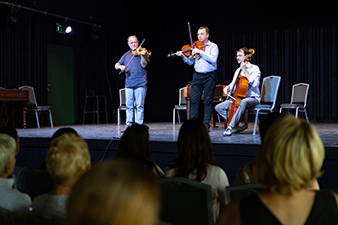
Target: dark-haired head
195 150
63 130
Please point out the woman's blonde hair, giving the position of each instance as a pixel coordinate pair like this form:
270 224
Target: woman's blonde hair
114 192
67 158
290 157
7 151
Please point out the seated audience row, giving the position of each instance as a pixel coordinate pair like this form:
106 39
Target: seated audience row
120 191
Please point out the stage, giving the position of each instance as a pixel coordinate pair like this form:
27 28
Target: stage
230 152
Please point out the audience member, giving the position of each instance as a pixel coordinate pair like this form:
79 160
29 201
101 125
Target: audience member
11 199
196 161
20 180
248 172
114 192
67 158
135 145
58 133
288 162
11 131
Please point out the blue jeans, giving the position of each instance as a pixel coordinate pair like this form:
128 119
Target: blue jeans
203 82
135 96
246 103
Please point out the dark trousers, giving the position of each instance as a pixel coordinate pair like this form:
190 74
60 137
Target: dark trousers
203 82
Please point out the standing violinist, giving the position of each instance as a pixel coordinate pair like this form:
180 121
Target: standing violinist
134 63
252 98
204 77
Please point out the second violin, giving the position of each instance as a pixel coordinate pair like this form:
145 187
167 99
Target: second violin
187 49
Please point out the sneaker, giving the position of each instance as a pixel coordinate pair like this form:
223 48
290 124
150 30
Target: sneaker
227 132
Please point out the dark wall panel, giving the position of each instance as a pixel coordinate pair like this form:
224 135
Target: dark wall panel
298 54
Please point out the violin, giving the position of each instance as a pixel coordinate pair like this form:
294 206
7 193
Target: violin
187 49
137 51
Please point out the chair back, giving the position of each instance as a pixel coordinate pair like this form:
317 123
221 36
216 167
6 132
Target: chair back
269 90
300 93
31 93
39 182
5 217
122 96
37 218
182 100
90 92
242 190
186 201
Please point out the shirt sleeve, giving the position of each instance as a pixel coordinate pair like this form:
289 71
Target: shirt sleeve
188 61
255 76
211 55
224 182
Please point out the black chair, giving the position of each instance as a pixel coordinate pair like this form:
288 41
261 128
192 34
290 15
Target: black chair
39 182
182 105
35 218
95 101
242 190
34 107
5 217
185 202
298 99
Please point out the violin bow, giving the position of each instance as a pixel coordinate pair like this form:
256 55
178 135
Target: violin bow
191 43
189 29
134 55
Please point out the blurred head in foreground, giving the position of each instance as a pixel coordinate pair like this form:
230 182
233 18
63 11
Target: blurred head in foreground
114 192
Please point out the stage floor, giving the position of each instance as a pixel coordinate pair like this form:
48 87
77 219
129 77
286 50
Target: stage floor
230 152
167 132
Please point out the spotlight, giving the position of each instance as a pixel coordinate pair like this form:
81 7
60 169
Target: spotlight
63 29
68 29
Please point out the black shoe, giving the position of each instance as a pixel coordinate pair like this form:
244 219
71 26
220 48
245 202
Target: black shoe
239 129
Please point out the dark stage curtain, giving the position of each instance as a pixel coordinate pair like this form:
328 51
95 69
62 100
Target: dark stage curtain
305 54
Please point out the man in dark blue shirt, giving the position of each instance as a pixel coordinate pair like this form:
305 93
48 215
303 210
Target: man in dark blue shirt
134 66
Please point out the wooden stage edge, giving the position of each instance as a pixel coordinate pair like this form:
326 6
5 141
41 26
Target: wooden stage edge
230 152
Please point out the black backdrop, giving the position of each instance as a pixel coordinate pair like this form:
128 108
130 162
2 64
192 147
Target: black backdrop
292 40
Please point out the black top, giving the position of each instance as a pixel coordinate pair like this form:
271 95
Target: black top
324 210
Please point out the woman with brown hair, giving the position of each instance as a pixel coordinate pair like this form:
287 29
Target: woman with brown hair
196 161
134 145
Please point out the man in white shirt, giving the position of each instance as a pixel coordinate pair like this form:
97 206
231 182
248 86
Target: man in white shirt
253 75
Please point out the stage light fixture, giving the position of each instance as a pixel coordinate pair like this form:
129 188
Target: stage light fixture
68 29
63 29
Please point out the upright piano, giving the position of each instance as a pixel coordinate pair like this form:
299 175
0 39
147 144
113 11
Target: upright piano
11 102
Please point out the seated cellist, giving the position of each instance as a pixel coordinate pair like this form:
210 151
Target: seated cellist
250 74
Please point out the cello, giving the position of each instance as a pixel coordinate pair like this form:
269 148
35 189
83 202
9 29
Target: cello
239 93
